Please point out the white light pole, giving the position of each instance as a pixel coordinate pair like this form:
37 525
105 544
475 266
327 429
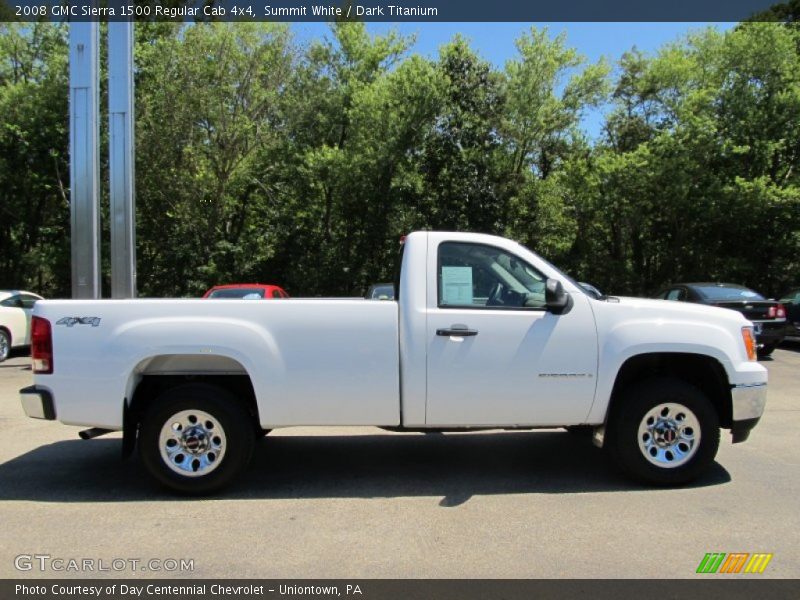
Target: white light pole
121 159
83 162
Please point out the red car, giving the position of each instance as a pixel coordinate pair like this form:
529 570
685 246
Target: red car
246 291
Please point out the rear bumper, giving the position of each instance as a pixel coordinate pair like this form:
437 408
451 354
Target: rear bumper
772 339
748 402
771 332
37 403
793 330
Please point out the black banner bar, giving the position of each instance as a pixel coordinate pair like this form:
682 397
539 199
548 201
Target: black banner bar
714 587
390 10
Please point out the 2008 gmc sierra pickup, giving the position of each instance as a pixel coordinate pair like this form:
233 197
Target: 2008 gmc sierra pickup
485 334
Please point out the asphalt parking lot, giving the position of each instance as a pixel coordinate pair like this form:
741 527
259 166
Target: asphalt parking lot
361 503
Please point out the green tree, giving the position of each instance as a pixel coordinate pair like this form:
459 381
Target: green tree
208 99
458 161
353 113
34 172
549 88
258 159
697 175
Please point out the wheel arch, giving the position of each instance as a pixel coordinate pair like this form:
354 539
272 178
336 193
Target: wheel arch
700 370
157 374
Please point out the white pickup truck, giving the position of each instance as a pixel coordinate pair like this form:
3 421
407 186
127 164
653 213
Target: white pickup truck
485 334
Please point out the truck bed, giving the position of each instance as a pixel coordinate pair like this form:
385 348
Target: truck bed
311 361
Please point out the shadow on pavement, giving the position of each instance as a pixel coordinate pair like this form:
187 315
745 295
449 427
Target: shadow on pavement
790 345
455 467
17 367
21 353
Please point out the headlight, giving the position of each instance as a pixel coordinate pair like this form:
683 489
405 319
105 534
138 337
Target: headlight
749 343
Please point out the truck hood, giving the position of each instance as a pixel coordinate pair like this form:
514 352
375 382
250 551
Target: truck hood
647 307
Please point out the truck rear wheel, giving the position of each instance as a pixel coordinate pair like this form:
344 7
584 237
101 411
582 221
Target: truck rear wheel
663 431
196 438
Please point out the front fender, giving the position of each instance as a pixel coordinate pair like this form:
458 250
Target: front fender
634 338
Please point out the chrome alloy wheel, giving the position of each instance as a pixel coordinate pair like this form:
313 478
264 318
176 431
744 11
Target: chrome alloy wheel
192 443
5 346
669 435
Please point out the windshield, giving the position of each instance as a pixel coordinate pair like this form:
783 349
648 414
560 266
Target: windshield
721 293
556 269
238 293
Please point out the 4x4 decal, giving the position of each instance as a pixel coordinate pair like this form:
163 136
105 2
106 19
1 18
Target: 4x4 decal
70 321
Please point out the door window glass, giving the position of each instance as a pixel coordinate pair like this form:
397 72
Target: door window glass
481 276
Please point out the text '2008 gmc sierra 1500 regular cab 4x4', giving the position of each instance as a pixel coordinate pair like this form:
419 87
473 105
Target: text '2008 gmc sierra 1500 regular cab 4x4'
485 334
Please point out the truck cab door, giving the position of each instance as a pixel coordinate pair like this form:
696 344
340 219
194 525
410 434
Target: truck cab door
496 356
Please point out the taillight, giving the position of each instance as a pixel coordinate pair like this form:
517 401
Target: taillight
749 343
776 312
41 345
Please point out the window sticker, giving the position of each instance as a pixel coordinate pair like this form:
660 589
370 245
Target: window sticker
457 285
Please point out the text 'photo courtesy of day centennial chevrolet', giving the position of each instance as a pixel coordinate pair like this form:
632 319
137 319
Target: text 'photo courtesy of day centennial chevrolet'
484 334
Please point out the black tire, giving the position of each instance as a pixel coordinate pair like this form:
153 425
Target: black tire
631 411
766 350
229 417
5 345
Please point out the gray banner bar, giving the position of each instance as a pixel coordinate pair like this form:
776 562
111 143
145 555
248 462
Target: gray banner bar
393 10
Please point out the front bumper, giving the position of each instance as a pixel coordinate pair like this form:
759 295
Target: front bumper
37 403
748 402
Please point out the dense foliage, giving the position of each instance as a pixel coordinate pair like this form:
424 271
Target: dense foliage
260 159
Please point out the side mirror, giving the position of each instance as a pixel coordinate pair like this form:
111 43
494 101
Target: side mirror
555 297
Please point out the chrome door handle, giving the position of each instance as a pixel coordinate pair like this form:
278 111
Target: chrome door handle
458 331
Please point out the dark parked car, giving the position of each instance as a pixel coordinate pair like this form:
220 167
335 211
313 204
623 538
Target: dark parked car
791 301
591 290
768 316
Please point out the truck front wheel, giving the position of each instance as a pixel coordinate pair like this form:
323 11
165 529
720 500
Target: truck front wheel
195 439
663 431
